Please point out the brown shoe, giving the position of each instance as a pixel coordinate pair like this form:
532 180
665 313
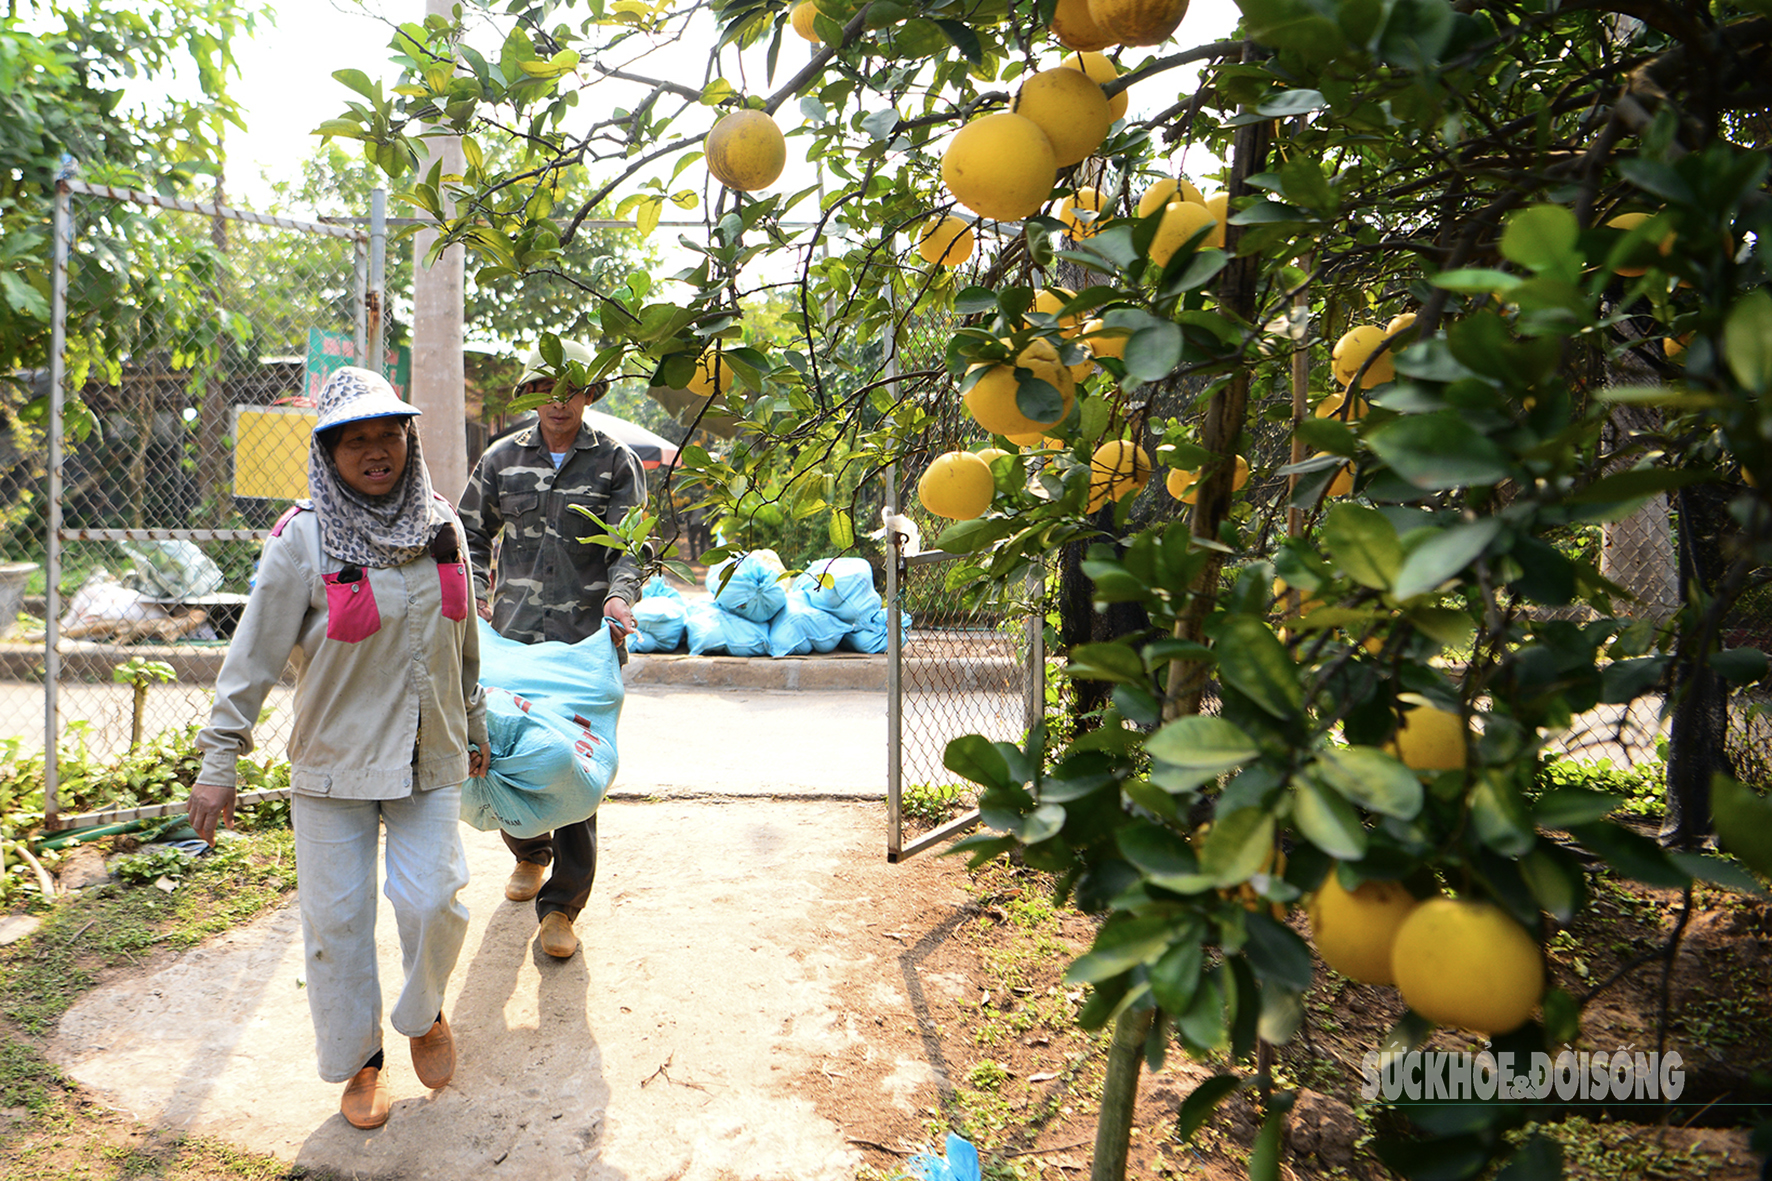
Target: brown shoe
366 1102
433 1055
525 882
557 938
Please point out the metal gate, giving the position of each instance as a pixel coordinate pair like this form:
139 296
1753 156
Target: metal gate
970 660
187 342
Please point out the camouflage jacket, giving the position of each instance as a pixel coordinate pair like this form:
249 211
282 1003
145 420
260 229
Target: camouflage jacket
551 581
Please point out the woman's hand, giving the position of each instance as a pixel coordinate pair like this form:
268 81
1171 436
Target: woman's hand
479 762
210 802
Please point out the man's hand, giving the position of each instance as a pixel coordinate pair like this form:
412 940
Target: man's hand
210 802
484 608
478 762
618 613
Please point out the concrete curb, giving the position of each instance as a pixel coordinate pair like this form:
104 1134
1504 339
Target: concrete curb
830 672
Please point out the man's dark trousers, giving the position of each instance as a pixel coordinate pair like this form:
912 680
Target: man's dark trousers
572 850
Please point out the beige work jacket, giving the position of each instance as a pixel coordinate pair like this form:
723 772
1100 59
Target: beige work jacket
387 694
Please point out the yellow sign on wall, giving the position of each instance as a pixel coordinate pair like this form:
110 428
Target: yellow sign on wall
271 451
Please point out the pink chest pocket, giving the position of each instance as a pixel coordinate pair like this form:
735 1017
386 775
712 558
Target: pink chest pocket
351 613
452 577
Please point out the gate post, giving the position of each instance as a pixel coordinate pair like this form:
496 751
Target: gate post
52 561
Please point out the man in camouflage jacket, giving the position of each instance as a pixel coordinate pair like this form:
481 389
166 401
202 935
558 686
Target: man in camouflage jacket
553 585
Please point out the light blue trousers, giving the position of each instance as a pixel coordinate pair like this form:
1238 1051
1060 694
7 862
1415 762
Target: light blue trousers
335 846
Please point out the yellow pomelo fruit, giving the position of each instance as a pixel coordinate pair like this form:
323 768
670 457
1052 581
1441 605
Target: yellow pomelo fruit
990 454
1429 740
1118 469
1673 347
1138 22
947 241
958 486
1076 29
712 376
1104 341
1400 323
992 398
1626 222
1181 221
746 151
1049 300
1218 205
1283 602
802 20
1467 964
1354 932
1070 108
1330 407
1178 482
1084 198
1165 191
1000 166
1351 351
1185 486
1343 483
1098 67
1035 441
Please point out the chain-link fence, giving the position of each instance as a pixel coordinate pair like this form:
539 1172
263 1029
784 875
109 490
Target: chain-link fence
190 341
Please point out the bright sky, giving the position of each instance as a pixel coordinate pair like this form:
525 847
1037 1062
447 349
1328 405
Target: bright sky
287 86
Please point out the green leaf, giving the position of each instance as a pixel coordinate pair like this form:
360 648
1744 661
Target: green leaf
1439 451
964 39
1204 743
1292 102
1175 977
1542 238
1264 1154
1747 340
1277 953
1203 1022
1121 944
1443 556
1153 352
358 81
1163 855
1636 484
1371 779
1476 281
1500 815
1201 1102
1327 821
1252 661
1282 1014
1237 846
1569 806
1555 880
1719 872
975 758
1364 544
1107 662
1743 822
1632 855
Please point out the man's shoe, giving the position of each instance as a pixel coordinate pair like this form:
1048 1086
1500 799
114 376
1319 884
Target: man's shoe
366 1103
557 938
525 882
433 1055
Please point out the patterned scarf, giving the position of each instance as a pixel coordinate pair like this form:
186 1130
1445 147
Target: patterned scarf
378 531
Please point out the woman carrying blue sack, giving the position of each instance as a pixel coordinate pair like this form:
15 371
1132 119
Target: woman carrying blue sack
366 588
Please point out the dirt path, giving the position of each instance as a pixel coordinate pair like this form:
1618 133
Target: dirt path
732 949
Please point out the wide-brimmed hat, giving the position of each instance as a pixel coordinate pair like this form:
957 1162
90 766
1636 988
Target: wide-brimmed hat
536 366
352 394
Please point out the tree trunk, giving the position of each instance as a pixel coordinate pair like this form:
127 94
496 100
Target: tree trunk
1699 728
1119 1095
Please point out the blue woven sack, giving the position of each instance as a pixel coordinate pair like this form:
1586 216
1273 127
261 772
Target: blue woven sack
659 617
551 715
756 591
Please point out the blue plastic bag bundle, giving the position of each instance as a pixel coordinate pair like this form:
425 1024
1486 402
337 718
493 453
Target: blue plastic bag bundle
551 714
712 630
842 586
659 616
802 627
756 591
870 634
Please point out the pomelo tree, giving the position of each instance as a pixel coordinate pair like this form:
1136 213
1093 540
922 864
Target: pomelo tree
1412 270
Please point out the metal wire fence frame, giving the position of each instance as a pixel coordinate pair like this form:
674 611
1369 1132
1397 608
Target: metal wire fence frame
366 290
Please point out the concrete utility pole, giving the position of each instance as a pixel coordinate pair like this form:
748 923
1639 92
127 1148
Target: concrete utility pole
437 374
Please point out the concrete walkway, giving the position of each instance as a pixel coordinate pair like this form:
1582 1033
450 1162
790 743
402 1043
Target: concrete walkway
745 926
